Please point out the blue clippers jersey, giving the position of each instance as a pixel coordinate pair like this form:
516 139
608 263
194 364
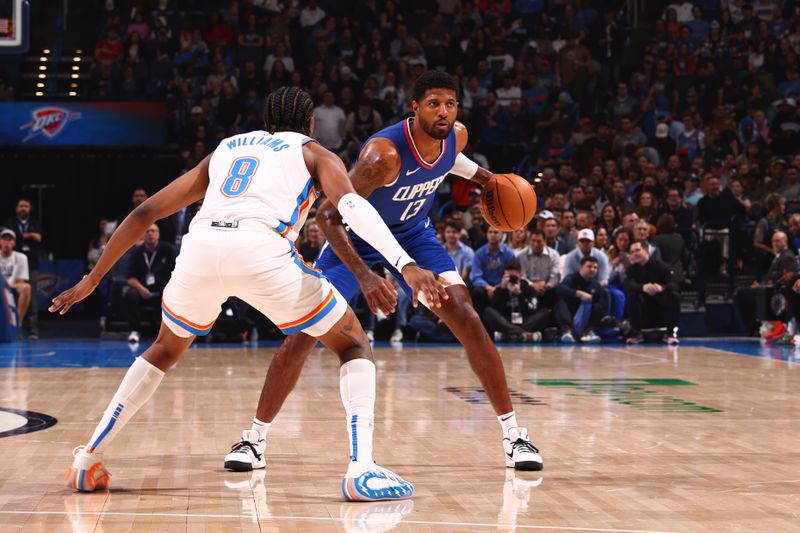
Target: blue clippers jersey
404 204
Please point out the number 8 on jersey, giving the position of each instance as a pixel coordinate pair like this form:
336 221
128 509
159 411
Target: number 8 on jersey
239 176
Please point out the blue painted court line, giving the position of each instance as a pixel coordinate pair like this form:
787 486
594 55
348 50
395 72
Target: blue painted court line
118 354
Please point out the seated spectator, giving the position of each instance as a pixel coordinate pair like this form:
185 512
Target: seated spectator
582 304
572 262
539 264
670 244
149 270
628 136
518 241
14 268
648 207
552 230
619 263
609 218
569 230
601 241
461 254
682 215
29 243
642 234
313 239
753 302
488 267
512 313
651 295
766 227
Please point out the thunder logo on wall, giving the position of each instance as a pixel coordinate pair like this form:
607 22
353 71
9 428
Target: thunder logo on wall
49 121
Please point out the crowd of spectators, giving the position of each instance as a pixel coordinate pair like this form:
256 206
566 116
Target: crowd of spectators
680 134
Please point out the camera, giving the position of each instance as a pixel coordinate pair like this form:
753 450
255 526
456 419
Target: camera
513 279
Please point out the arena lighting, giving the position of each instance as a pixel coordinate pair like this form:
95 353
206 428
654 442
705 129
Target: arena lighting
76 58
537 180
42 67
39 93
40 85
75 67
78 51
73 93
73 85
43 58
46 51
42 75
74 76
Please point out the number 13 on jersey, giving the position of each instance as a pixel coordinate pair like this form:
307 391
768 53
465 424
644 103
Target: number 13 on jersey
238 180
412 209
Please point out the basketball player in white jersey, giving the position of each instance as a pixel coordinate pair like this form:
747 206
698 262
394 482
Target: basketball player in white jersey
257 193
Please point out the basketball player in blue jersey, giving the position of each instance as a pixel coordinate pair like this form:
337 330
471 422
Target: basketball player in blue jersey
398 171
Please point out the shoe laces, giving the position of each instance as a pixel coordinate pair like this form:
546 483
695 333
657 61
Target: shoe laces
524 446
242 445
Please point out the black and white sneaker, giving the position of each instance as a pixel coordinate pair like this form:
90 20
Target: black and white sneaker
520 453
248 453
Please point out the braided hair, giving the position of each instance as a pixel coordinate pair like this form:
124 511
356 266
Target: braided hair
288 109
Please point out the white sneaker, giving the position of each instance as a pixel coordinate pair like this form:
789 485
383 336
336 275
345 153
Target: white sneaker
370 335
87 473
133 337
248 453
369 482
520 453
397 336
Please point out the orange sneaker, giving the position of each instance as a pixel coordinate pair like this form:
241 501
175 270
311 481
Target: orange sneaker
87 473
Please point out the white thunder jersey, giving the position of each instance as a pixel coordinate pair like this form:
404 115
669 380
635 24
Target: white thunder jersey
260 176
241 242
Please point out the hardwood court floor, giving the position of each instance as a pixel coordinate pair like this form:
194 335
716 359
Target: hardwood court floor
694 439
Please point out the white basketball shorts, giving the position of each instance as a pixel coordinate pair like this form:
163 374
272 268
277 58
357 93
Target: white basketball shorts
254 264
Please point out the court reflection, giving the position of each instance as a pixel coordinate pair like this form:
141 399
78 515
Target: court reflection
252 490
518 489
375 517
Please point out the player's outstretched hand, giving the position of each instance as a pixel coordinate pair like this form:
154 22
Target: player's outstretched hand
379 292
71 296
425 283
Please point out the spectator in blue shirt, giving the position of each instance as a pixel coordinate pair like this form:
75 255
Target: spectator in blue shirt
488 266
461 253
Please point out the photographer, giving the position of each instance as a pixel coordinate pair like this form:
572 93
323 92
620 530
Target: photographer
512 312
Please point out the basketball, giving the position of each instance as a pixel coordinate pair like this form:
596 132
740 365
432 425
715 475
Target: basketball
508 202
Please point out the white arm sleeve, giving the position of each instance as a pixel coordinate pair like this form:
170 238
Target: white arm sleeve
362 218
464 167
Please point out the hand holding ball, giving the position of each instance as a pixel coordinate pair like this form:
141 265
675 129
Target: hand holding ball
508 202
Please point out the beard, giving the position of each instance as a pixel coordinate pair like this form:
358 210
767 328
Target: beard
430 129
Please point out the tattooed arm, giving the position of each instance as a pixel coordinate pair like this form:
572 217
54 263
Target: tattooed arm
377 165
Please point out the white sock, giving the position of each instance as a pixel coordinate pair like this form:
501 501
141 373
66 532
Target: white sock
507 421
357 389
139 383
261 427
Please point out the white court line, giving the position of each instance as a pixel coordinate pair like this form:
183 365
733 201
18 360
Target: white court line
654 359
327 519
756 357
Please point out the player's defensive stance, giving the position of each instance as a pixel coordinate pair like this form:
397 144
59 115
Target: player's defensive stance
257 191
399 170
